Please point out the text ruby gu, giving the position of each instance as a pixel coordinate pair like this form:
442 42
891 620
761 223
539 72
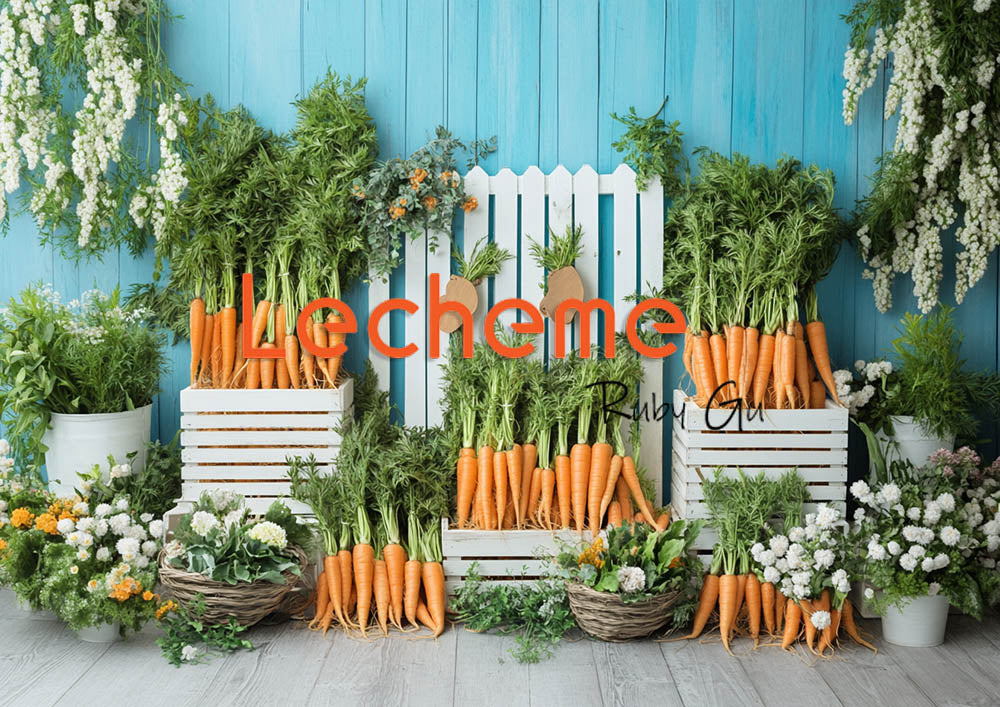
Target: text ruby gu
534 324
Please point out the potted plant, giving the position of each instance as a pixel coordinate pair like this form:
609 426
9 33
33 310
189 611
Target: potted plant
633 583
919 403
77 380
916 539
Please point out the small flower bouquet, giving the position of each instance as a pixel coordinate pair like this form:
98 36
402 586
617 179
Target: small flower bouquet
632 579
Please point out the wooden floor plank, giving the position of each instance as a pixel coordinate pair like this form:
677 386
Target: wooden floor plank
486 673
630 673
782 677
706 675
568 677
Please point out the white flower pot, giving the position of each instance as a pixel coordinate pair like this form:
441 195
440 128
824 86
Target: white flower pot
912 442
105 633
77 442
919 624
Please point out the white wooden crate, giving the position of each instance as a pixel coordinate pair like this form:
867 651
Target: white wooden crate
240 439
772 442
501 555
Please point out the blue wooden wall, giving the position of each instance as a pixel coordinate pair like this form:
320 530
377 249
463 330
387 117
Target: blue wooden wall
757 76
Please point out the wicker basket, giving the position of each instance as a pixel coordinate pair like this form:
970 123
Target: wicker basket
607 617
247 602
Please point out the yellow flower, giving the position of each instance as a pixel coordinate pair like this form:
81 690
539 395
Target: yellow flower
47 523
165 608
3 544
445 176
147 595
21 518
471 204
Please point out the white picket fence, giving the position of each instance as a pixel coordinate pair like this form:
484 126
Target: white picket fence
553 201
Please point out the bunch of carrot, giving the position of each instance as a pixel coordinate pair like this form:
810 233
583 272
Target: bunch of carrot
744 248
374 575
511 420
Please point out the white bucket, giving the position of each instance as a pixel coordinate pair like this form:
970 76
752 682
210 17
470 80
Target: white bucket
105 633
913 443
919 624
77 442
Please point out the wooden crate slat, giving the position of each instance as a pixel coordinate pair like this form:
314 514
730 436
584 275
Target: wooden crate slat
824 474
697 509
832 418
287 438
817 492
256 421
193 489
764 457
519 567
452 584
270 455
196 472
219 400
753 440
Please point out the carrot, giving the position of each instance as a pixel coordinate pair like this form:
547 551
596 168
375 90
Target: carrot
735 349
308 361
484 486
267 366
579 461
779 610
728 589
802 372
260 321
539 503
702 361
765 359
741 590
807 612
432 574
333 364
751 345
563 484
780 393
280 366
411 593
793 617
624 498
508 515
292 359
686 354
529 461
663 520
346 561
380 590
319 336
205 373
753 603
239 364
557 510
767 605
706 604
614 514
424 616
500 484
614 472
816 333
600 468
717 344
334 588
834 626
196 325
395 566
466 483
364 578
817 395
327 619
847 618
515 474
216 358
322 600
632 479
228 336
253 374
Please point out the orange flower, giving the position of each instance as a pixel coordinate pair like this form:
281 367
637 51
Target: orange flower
66 514
165 608
3 544
147 595
47 523
471 204
430 202
418 176
402 201
445 176
357 191
124 590
396 212
22 518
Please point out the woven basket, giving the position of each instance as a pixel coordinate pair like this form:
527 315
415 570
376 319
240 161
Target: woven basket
607 617
247 602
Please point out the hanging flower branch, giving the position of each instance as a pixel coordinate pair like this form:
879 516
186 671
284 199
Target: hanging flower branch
942 170
82 169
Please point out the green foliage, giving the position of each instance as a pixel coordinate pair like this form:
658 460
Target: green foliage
153 490
537 613
414 197
653 149
484 261
185 628
94 356
561 252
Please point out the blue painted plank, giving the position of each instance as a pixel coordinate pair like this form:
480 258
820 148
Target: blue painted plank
548 86
579 76
461 83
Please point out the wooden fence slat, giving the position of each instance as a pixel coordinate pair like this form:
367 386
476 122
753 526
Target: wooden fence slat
505 236
437 262
532 186
560 188
585 215
477 226
378 292
415 327
625 247
651 278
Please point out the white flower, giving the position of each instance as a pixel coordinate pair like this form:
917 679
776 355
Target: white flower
801 577
941 561
827 516
81 508
859 515
796 535
149 548
914 514
120 523
103 554
933 588
890 494
128 548
142 562
756 549
946 502
102 510
146 518
876 552
917 551
779 545
269 533
772 575
908 562
65 526
767 558
122 504
156 529
840 581
233 518
101 528
932 513
869 593
950 536
204 522
893 547
823 559
927 565
173 549
120 471
189 653
631 579
82 554
782 565
820 619
859 489
74 569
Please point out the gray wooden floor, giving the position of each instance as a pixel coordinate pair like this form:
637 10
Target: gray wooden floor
42 663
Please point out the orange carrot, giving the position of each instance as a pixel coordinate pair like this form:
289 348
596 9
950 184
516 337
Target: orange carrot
579 461
767 605
614 472
364 579
793 617
702 361
632 479
380 590
334 588
228 335
196 325
728 589
536 500
706 604
267 366
260 321
765 359
600 468
322 600
484 485
780 392
816 333
563 488
817 395
280 366
847 619
753 601
802 372
308 361
239 364
432 574
319 336
826 635
807 612
411 594
614 514
719 363
205 372
292 359
751 345
515 474
346 561
466 483
395 567
333 364
500 484
217 350
624 498
663 520
741 590
508 514
529 461
424 616
735 349
779 610
253 374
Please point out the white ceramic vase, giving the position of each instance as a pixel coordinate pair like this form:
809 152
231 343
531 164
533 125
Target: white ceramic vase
919 624
105 633
77 442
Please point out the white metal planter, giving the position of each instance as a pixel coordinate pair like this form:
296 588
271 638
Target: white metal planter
105 633
912 442
77 442
813 442
919 624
